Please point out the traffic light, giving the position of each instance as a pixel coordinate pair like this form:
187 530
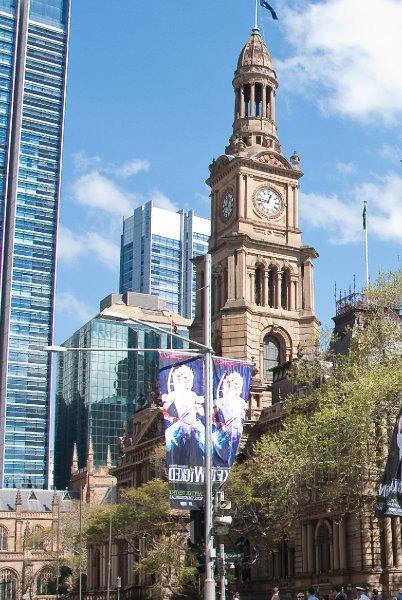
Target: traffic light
197 526
222 520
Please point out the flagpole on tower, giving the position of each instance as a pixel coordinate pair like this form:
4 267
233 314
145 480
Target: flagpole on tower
366 240
256 15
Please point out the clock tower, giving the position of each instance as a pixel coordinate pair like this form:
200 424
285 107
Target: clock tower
262 286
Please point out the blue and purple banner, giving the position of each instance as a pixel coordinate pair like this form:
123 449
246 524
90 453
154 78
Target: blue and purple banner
389 496
182 398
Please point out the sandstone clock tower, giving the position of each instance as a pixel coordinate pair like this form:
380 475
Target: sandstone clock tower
262 289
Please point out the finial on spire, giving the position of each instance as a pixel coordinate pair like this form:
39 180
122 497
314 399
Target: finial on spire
74 464
90 458
108 458
256 15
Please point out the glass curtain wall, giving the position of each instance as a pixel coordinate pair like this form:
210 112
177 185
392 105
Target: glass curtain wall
31 226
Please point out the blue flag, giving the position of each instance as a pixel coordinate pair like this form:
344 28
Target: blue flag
365 216
265 4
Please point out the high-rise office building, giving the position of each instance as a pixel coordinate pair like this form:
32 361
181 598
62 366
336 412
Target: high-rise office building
157 246
97 392
33 61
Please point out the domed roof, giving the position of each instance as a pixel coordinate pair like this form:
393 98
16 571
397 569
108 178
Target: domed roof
255 52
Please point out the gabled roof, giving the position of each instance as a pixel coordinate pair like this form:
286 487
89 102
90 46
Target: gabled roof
34 500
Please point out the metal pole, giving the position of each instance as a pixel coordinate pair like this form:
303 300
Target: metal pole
222 574
80 556
58 548
366 243
209 584
256 15
109 558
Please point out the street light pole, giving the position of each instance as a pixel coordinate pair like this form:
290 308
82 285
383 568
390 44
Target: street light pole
209 584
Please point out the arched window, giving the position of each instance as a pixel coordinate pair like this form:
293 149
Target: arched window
3 538
8 585
285 290
259 285
272 282
37 540
272 356
45 583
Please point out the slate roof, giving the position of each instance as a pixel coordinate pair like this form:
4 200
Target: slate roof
34 500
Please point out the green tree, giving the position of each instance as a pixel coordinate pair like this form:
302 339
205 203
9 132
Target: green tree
335 428
145 524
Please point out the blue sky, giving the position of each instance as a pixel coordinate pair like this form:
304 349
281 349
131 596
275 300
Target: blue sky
150 103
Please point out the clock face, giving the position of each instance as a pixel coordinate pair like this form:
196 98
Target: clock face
268 201
227 206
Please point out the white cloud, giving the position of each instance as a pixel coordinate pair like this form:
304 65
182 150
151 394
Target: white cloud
74 247
68 304
342 217
391 153
347 56
162 201
345 168
93 190
129 168
84 162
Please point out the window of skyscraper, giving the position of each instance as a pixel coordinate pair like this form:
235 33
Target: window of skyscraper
48 11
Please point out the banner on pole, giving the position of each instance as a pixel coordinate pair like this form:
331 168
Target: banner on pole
182 388
389 497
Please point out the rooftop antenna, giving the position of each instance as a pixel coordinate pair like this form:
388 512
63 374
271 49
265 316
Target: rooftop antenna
354 283
335 293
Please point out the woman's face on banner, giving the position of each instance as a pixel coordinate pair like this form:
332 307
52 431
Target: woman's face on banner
183 378
234 384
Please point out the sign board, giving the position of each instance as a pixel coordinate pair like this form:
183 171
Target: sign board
234 556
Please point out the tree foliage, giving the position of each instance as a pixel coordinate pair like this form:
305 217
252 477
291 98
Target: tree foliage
158 537
335 427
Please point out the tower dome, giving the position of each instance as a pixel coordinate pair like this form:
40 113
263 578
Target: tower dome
255 84
255 52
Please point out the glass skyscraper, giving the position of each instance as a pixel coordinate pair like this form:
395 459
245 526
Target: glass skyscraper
97 392
33 61
157 246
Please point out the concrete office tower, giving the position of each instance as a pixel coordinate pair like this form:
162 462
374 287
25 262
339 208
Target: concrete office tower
157 246
33 60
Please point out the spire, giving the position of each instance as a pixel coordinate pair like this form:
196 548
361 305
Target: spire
90 458
108 458
255 84
18 501
74 464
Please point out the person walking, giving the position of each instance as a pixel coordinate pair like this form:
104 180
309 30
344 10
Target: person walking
377 594
338 593
275 594
310 593
399 596
361 593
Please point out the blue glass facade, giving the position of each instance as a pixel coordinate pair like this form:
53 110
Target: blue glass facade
32 90
157 246
97 392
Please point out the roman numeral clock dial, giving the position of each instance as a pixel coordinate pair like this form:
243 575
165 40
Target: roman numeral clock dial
268 202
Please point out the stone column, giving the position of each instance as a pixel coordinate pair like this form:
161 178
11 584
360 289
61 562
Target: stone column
222 289
308 282
241 274
240 201
241 108
236 112
278 290
295 207
264 100
304 548
396 534
272 104
310 547
231 278
367 559
342 545
389 554
252 286
252 99
335 537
